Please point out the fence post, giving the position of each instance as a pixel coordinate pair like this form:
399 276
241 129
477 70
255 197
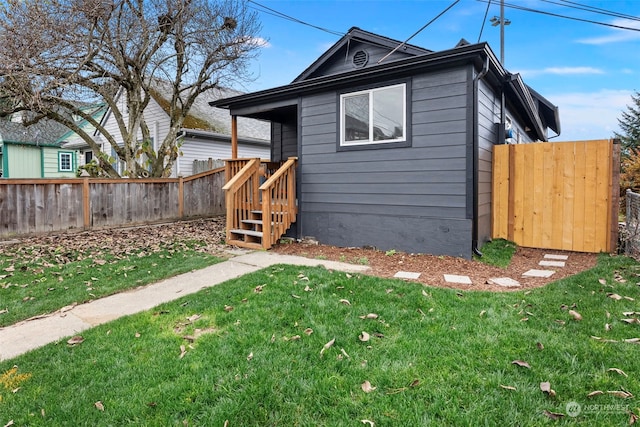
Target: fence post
180 197
85 204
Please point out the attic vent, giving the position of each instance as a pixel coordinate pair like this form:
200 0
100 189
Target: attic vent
360 59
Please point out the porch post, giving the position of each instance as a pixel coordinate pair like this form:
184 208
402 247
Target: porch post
234 137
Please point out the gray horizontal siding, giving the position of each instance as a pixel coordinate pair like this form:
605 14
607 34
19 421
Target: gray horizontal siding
411 190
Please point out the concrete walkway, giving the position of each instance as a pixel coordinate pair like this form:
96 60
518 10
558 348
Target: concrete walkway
28 335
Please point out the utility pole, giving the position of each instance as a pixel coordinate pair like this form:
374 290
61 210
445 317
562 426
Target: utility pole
495 21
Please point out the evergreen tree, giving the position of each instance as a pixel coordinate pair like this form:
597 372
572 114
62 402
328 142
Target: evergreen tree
630 126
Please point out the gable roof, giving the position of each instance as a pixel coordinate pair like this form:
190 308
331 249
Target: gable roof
71 139
537 112
45 131
356 35
202 117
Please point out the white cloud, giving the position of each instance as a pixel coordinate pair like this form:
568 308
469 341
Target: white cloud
565 71
258 42
617 35
590 115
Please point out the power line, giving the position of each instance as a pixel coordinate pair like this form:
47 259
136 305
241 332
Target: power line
486 13
419 31
278 14
589 21
594 9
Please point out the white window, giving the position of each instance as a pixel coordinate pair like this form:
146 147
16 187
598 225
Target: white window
65 162
373 116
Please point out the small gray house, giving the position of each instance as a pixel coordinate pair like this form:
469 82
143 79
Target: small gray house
393 145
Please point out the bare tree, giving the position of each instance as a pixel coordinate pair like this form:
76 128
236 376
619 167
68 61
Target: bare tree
58 55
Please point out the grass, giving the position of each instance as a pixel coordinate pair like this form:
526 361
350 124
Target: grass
497 252
241 352
37 286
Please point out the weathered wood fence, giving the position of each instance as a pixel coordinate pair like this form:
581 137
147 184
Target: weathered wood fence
560 195
29 206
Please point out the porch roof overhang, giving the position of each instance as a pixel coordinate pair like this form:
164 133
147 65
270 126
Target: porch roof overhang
271 103
215 136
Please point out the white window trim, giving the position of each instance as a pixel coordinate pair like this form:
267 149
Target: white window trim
371 141
60 155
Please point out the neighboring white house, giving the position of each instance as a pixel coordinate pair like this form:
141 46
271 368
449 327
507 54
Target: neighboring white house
206 132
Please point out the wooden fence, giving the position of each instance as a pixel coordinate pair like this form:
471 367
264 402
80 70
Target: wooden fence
29 206
560 195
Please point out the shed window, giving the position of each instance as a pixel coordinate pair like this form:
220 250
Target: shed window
65 162
373 116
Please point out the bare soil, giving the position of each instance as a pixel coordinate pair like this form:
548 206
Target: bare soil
71 246
432 268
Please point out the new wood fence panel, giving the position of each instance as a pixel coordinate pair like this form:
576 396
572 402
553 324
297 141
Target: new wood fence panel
559 195
29 206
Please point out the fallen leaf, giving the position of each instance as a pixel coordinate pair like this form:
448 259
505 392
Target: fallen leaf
307 288
345 301
348 276
561 322
250 356
327 346
137 335
183 351
553 415
482 313
602 281
370 316
614 296
607 327
75 340
545 387
595 393
10 423
193 318
3 311
521 363
631 313
344 353
628 298
575 314
308 331
540 346
10 269
364 337
621 394
617 371
295 296
99 405
295 338
602 339
258 289
633 418
630 320
414 383
371 423
366 387
632 340
424 293
508 387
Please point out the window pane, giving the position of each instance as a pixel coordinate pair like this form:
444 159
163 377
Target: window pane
356 118
388 113
65 162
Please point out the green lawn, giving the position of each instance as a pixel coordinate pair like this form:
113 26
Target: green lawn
40 282
255 352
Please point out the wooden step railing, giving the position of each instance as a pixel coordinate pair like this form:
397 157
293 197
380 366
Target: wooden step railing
279 202
242 197
258 215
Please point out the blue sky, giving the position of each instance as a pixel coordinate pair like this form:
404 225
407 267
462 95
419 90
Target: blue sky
589 71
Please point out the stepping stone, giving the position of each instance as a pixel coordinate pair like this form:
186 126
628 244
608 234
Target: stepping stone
538 273
506 282
406 275
558 257
452 278
546 263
